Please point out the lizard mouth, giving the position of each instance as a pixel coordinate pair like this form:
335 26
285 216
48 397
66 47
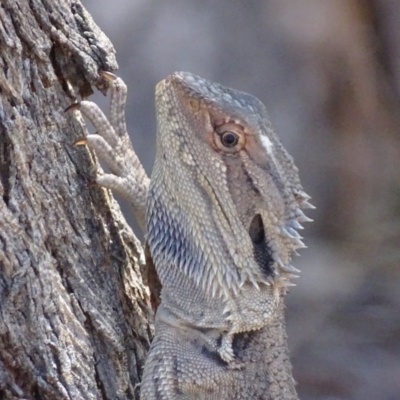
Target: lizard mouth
261 249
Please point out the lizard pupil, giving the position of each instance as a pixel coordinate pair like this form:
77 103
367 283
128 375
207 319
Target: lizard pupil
229 139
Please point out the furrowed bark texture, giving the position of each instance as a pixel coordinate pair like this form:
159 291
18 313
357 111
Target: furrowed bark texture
74 315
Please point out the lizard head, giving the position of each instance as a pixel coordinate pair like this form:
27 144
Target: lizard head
235 190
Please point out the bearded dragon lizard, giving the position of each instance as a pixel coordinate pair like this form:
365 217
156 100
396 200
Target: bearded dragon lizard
221 213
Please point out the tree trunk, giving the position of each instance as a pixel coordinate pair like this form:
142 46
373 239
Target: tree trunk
74 309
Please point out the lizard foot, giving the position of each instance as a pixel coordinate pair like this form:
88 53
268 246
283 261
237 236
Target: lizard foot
226 351
227 354
112 144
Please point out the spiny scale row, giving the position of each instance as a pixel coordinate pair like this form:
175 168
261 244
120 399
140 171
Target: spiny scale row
290 232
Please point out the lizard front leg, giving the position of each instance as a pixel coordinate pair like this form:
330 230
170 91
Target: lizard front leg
112 144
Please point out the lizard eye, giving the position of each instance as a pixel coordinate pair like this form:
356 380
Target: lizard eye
229 137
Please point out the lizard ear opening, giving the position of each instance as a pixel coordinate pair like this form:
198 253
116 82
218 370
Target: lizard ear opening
262 252
256 230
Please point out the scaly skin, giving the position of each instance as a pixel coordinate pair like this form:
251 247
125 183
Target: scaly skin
223 209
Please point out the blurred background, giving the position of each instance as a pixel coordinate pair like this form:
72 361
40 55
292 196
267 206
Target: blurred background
329 74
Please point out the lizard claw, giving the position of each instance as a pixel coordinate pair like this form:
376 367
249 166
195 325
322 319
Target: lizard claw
235 365
108 75
73 106
80 142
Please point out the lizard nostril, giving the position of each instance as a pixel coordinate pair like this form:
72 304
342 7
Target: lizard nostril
256 230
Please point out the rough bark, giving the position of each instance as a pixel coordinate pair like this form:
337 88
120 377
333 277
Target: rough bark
74 320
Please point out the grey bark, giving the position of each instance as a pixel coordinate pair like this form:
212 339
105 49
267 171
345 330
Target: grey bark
74 310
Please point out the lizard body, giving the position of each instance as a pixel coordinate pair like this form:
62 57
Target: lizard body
223 208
